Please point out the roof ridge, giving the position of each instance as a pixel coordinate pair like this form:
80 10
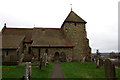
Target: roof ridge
73 17
45 28
19 28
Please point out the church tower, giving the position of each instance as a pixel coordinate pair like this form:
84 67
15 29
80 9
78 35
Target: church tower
75 30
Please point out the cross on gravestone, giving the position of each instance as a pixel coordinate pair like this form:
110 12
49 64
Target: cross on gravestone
109 70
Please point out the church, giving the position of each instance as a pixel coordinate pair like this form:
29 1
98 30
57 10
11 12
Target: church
66 44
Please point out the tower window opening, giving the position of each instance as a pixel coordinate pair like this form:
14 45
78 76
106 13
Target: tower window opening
7 53
75 24
66 30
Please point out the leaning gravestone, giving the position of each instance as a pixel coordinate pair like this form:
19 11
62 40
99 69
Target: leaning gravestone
109 70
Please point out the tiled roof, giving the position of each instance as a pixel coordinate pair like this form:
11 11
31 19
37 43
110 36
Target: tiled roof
49 37
41 37
27 32
11 41
73 17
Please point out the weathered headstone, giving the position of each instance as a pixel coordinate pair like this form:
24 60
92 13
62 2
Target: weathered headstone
101 62
27 74
30 69
83 60
45 59
21 59
98 63
109 70
40 63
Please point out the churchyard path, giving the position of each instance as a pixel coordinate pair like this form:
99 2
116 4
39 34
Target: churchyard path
57 71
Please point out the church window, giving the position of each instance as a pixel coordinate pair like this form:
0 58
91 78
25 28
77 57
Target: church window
75 24
66 30
46 51
7 53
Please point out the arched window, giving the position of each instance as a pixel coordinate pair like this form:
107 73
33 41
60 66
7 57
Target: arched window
57 54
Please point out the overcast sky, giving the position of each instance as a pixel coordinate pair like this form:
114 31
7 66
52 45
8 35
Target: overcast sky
101 17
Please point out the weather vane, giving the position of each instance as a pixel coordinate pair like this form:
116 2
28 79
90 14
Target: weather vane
71 6
34 25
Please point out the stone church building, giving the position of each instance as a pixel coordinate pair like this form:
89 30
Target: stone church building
68 43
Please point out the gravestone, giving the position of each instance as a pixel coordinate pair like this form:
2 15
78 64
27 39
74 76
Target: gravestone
109 70
98 63
83 60
40 63
44 59
27 74
21 59
101 62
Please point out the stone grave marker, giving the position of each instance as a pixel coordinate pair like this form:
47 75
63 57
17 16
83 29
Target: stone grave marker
83 59
40 63
98 63
27 74
109 70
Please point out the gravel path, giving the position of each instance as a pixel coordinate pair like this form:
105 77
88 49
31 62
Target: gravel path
57 71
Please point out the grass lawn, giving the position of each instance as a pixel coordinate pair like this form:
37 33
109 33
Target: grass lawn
18 71
86 70
44 73
12 71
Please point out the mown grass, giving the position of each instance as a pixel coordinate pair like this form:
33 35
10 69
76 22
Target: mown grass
44 73
12 71
18 71
86 70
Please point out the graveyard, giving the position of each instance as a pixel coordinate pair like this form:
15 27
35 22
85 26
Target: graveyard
86 70
43 53
17 72
70 70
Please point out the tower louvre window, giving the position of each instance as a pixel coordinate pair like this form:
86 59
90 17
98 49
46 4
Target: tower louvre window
66 30
75 24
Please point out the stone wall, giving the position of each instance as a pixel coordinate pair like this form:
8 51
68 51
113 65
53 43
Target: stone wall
51 53
8 55
12 55
76 33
